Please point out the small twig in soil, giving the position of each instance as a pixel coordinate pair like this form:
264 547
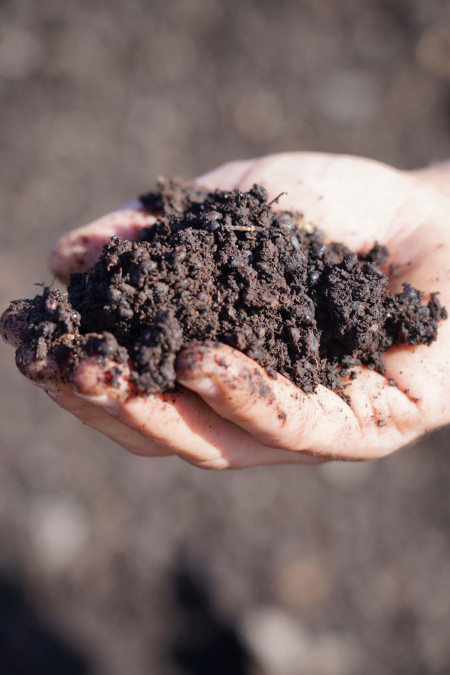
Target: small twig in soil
244 228
275 201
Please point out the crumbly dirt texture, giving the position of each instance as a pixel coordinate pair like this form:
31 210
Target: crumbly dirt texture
228 267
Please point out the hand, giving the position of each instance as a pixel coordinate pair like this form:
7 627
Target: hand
217 421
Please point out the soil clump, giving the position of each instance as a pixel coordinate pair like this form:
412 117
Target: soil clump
227 267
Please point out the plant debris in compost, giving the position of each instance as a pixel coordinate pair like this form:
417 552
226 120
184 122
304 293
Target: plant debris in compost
227 267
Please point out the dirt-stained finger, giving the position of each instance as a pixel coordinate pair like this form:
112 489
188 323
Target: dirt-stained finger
180 422
14 321
100 420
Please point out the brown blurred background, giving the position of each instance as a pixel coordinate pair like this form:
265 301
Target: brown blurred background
110 564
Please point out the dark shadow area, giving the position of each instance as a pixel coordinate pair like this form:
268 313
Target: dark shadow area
204 642
28 646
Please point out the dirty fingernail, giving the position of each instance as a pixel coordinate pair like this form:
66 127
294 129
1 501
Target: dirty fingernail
206 387
52 392
101 400
188 363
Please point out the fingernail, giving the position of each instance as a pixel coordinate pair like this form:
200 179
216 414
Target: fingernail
203 386
188 362
101 400
53 393
114 411
70 246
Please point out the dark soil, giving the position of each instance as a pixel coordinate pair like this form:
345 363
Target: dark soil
229 267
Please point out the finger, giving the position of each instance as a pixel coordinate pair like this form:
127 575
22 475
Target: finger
36 364
388 418
46 374
279 414
422 372
38 369
100 420
78 250
14 321
179 422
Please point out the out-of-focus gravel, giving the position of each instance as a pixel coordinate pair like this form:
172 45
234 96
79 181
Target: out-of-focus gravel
339 570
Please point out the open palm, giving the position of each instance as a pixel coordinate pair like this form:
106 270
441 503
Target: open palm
219 420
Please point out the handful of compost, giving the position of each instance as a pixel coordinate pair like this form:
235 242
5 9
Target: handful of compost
228 267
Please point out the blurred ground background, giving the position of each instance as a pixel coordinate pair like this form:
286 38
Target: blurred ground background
106 559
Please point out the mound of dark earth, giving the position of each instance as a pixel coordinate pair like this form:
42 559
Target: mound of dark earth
227 267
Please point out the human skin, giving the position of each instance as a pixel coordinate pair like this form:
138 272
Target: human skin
217 421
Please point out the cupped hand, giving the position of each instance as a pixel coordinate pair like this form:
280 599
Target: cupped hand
219 419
